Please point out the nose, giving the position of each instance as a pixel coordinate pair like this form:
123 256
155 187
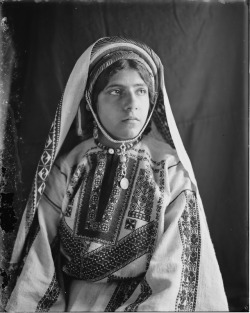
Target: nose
130 101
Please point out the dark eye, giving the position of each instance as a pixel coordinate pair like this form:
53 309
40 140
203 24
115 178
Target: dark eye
115 92
142 91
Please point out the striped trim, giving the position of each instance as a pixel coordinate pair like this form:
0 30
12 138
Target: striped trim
105 45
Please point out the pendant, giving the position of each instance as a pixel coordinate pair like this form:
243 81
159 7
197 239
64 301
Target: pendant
123 158
124 183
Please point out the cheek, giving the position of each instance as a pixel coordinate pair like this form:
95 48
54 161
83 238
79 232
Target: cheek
101 109
145 109
105 114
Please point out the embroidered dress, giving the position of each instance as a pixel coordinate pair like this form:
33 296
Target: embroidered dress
86 244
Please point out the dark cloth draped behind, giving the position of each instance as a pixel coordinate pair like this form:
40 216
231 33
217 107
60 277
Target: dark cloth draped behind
203 48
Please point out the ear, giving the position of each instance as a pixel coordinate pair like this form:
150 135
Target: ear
84 120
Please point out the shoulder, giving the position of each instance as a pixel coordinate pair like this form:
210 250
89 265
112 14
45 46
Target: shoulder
177 177
75 156
160 151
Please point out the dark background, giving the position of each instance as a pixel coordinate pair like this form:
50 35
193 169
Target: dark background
203 47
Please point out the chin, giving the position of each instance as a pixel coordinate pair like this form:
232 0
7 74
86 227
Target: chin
128 135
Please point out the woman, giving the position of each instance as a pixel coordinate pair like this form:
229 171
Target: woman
117 223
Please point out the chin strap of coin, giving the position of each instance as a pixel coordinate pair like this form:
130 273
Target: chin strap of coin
121 151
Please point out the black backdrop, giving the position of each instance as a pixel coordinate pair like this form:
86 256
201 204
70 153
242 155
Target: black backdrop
203 47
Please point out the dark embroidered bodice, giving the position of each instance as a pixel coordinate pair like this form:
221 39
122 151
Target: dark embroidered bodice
112 227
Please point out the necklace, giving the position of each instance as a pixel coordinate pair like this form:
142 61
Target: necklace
121 151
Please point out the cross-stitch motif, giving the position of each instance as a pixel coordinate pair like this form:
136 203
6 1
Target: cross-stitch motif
189 227
43 168
143 196
106 260
122 293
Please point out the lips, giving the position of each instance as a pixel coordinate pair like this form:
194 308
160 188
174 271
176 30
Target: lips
130 118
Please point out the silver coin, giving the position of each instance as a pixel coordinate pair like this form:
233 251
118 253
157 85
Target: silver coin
124 183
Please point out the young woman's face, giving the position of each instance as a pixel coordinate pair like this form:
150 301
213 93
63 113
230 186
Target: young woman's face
123 105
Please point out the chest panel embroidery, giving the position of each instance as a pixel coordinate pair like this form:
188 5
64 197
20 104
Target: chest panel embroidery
143 196
95 220
138 204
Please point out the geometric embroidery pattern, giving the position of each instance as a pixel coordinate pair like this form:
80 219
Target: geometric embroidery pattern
122 293
189 226
50 296
100 221
44 166
79 172
130 224
113 255
68 210
94 198
104 261
146 292
143 196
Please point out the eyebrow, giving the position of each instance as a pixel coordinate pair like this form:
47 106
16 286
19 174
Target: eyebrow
121 85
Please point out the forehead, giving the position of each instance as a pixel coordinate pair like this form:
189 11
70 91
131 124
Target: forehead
126 77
